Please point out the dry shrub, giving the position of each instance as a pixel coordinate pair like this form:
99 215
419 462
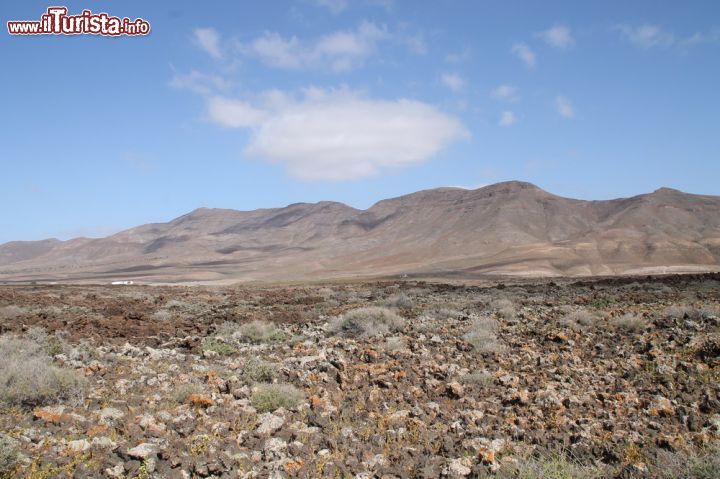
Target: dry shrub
482 335
28 377
52 344
630 323
366 322
554 466
175 304
682 311
12 312
399 300
326 292
162 315
479 378
9 455
504 308
260 332
446 313
703 464
578 319
394 344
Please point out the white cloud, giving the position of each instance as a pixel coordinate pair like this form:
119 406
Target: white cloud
505 92
234 113
559 36
647 36
339 135
335 6
453 81
416 43
564 107
458 57
653 36
386 4
209 40
523 52
338 51
338 6
274 50
711 36
507 118
201 83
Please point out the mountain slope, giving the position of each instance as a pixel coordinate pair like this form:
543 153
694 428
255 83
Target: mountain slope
507 228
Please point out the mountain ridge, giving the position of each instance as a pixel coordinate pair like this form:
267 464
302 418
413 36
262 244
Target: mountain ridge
511 228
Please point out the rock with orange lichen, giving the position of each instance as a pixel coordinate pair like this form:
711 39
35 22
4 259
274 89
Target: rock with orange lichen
200 400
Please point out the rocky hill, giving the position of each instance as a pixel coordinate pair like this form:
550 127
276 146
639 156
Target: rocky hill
508 228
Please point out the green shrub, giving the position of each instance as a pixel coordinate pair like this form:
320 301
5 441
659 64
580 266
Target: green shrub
28 377
365 322
216 345
269 397
261 332
258 371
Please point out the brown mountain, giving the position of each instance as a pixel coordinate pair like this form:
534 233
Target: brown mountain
508 228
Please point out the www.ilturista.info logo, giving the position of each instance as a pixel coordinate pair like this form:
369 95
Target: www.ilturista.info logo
57 22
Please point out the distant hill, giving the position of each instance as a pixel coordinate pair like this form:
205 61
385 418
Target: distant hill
510 228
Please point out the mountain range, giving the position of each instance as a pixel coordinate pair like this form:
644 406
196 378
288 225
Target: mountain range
510 228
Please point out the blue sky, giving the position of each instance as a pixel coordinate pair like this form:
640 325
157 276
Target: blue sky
248 105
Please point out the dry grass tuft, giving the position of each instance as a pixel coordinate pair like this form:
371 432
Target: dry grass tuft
551 467
162 315
504 308
260 332
630 323
681 311
366 322
579 319
399 300
482 335
28 378
704 464
12 312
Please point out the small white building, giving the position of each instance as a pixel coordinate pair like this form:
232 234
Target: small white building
122 283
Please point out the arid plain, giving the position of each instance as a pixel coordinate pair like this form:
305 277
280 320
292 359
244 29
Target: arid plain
515 378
